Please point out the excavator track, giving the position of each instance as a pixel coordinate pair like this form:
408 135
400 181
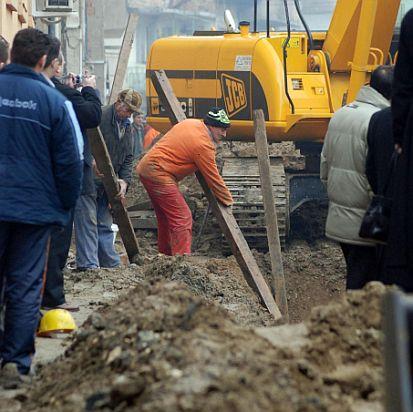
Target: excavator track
242 177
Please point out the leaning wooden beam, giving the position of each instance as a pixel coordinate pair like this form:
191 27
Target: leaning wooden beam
224 216
123 58
110 183
271 220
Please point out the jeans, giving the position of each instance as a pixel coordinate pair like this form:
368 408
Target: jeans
93 233
362 266
23 256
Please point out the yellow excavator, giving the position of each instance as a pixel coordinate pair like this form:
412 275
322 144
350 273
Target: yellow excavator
298 78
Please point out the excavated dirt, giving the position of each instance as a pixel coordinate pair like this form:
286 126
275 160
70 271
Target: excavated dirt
162 348
183 335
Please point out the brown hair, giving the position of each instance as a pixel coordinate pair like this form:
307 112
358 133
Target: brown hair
29 46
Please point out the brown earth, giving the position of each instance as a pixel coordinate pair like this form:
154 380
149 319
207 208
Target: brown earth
163 348
183 335
314 266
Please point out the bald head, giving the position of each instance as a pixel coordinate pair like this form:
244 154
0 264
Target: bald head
382 80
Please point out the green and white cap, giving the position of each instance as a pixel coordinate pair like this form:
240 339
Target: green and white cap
217 117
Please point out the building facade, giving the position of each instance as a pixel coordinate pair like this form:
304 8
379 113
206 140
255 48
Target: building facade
14 16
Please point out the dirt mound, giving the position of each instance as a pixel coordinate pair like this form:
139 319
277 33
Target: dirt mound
216 280
163 348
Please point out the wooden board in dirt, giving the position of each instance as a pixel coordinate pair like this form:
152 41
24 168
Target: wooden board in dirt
110 183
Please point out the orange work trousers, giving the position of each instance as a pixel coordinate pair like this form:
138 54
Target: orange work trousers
173 215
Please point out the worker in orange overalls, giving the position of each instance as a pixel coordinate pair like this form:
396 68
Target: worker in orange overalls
189 146
150 134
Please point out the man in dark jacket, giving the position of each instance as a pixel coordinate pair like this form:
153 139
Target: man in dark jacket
380 149
137 129
88 111
41 160
94 241
399 255
380 173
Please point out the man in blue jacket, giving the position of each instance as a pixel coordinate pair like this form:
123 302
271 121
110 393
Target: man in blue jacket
40 176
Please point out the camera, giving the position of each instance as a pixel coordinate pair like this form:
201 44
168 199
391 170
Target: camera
78 80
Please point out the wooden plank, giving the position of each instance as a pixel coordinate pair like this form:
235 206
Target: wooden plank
167 97
123 58
110 183
273 235
224 216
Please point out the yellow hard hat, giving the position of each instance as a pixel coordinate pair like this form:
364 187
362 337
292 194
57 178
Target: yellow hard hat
56 321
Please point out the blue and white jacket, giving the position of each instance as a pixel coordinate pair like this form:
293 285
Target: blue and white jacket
41 150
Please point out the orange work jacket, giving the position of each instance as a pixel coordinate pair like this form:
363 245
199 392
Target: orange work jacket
186 148
150 134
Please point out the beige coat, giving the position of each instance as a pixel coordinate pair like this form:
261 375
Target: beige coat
343 165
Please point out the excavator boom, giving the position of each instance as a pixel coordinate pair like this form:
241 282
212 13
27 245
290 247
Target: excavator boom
341 40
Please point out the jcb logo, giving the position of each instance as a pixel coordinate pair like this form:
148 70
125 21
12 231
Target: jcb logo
234 93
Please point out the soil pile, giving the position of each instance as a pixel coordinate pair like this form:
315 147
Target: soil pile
216 280
163 348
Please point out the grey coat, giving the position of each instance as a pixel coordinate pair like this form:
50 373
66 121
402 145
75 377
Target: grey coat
120 149
343 165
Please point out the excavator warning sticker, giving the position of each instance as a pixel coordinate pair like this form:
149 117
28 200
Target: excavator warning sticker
155 108
234 93
243 63
294 43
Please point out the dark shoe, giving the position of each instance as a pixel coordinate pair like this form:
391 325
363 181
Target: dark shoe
10 377
71 307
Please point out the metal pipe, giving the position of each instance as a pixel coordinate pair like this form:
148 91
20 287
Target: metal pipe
268 18
255 15
306 27
285 55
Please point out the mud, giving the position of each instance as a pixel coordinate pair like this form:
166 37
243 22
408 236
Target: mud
161 348
188 334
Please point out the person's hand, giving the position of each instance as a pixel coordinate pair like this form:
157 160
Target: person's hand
398 148
96 170
89 80
123 186
71 80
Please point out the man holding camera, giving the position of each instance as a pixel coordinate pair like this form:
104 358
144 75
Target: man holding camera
88 111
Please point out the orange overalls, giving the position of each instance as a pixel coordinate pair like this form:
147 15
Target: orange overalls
149 137
186 148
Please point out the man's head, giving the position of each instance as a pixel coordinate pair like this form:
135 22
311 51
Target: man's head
128 102
4 52
217 122
382 80
54 61
30 48
138 119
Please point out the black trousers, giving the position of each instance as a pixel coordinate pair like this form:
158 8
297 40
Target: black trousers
362 266
60 240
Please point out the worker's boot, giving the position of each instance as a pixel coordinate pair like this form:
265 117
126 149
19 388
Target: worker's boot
10 377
